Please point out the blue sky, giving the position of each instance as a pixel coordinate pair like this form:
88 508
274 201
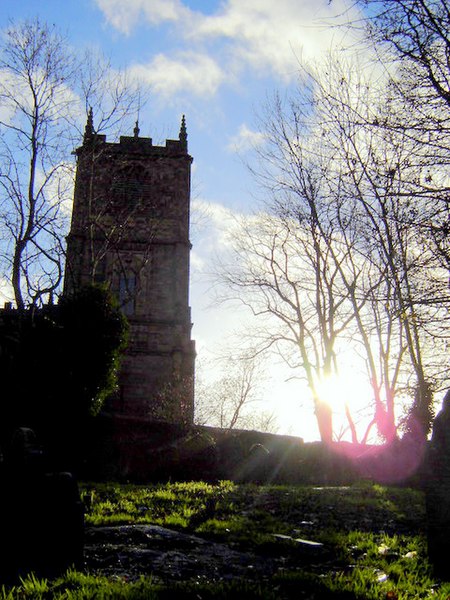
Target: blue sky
216 62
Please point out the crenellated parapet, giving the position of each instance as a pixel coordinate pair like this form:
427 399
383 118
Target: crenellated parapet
134 144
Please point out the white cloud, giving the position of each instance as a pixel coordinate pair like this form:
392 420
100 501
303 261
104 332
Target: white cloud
188 72
246 139
270 35
197 262
266 36
124 15
6 291
7 106
56 97
214 237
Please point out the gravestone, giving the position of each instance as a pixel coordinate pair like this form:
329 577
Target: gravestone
43 517
438 492
256 466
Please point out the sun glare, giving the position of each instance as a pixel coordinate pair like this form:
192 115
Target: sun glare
347 390
339 390
292 403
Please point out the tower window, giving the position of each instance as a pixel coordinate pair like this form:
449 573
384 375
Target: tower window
127 294
100 271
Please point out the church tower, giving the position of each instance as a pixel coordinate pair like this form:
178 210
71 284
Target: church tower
130 230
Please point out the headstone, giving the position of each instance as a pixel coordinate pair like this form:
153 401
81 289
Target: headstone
438 493
43 517
256 466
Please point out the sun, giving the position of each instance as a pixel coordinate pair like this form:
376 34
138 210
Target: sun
347 391
346 388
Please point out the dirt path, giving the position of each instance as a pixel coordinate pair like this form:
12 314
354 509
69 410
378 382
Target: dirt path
133 550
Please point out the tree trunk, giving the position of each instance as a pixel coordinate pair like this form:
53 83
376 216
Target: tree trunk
325 421
16 275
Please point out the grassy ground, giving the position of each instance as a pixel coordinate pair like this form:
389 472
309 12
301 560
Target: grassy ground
373 541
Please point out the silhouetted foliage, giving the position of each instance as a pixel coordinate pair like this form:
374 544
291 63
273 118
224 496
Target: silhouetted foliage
95 333
58 363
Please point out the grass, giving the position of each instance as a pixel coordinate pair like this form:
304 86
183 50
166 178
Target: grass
170 505
374 538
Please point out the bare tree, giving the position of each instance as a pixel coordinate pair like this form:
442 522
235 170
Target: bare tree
231 401
110 95
412 37
417 31
35 98
43 87
337 237
285 275
384 174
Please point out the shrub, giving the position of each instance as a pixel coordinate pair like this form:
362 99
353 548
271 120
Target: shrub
58 363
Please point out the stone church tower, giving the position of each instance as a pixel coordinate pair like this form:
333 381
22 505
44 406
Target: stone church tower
130 229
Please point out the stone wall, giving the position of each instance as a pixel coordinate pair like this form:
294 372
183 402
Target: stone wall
138 450
141 450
